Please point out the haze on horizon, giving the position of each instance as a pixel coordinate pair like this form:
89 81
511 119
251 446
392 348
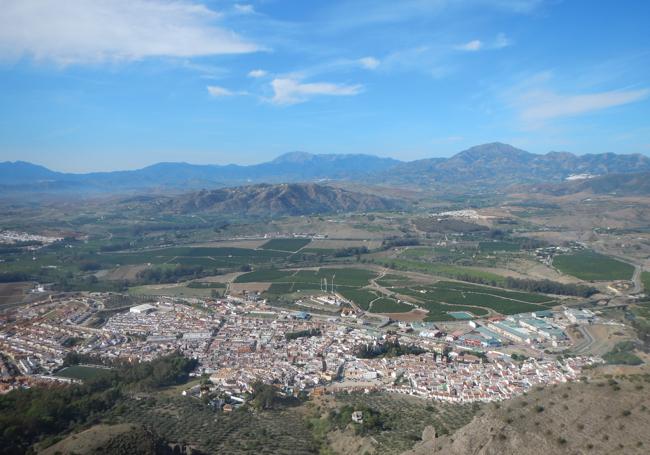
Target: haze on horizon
244 82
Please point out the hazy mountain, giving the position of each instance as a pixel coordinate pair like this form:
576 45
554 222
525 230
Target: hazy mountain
499 165
290 167
487 166
636 184
280 199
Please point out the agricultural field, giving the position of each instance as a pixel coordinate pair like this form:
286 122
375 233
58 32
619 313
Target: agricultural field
290 245
451 271
592 266
389 305
82 372
177 290
349 277
446 296
496 246
362 297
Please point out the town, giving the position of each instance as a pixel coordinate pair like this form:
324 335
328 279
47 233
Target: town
238 342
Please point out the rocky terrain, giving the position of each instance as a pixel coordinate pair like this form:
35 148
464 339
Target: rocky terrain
601 417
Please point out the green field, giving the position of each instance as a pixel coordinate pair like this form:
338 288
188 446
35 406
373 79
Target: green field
387 305
290 245
591 266
179 290
451 271
82 372
446 296
498 246
342 276
362 297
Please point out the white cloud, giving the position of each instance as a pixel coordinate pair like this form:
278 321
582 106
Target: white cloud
369 62
257 73
292 91
93 31
244 9
541 105
216 91
471 46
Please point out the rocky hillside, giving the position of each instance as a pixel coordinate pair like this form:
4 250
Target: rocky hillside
604 417
282 199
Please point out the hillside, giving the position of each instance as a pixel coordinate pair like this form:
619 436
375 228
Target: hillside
636 184
122 439
604 417
282 199
487 166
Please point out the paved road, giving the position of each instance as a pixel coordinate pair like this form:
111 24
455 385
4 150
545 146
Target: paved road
587 343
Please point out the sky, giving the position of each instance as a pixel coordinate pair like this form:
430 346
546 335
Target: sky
89 85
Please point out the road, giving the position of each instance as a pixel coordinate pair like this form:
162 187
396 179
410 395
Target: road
588 341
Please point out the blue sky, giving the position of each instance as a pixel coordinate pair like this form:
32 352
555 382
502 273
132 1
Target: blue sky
120 84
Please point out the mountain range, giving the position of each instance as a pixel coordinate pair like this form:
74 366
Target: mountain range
269 199
493 165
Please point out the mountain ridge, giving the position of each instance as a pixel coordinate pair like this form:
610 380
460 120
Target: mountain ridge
488 166
274 199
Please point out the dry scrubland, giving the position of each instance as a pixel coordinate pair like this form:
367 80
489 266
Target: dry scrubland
606 416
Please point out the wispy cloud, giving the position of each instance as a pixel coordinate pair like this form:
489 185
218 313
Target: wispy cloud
539 106
369 62
244 8
257 73
293 91
216 91
219 92
94 31
471 46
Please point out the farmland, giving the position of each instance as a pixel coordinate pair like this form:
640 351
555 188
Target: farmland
290 245
498 246
362 297
591 266
387 305
445 296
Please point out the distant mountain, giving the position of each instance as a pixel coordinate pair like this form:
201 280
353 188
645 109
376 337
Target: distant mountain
279 199
290 167
488 166
497 165
636 184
